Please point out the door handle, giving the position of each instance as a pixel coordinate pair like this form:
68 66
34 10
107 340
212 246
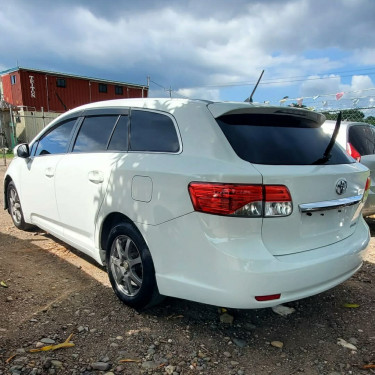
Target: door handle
49 172
96 177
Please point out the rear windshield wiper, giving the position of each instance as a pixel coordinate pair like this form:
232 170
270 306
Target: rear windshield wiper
327 153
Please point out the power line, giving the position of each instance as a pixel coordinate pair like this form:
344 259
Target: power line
276 81
283 80
170 90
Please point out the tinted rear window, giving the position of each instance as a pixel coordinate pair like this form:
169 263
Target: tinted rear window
150 131
362 137
278 139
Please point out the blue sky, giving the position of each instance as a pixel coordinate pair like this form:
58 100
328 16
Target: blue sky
212 49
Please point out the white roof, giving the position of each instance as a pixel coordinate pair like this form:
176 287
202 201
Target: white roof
216 108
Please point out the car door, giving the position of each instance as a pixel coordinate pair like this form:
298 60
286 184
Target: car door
39 176
83 175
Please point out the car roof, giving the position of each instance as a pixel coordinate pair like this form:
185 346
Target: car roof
216 108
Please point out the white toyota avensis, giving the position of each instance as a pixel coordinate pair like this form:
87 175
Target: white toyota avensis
230 204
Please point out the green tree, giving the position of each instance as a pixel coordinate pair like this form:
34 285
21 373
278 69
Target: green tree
370 120
347 115
297 105
330 115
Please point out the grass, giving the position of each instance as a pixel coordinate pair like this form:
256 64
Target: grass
7 155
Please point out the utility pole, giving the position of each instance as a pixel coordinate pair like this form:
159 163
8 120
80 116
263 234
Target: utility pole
170 91
2 136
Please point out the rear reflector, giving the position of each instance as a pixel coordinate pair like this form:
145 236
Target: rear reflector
268 298
240 200
350 149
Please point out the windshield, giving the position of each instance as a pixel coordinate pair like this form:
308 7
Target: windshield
278 139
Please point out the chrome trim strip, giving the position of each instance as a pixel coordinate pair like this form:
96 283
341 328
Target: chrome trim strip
330 205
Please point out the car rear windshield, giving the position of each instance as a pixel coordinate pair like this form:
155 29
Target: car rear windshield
278 139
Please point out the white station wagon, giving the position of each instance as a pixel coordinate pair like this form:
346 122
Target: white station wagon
230 204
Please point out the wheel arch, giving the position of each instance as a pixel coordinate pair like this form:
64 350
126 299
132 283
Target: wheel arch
108 223
7 181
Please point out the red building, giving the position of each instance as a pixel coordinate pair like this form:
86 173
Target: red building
59 92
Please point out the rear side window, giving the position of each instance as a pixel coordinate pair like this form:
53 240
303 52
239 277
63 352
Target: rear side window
362 137
94 133
57 140
278 139
155 132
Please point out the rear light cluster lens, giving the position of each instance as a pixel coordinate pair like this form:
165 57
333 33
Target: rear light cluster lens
350 149
241 200
367 188
278 201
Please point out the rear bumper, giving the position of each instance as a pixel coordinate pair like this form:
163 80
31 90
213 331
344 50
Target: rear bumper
369 207
220 261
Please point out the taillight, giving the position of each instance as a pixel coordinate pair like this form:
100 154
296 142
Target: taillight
227 199
367 188
278 201
350 149
240 200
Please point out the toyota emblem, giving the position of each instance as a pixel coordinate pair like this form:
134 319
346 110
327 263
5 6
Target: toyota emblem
341 186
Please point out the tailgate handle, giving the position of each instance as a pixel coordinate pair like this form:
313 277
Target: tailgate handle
330 205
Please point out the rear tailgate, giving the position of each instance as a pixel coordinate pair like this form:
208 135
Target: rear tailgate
287 145
320 215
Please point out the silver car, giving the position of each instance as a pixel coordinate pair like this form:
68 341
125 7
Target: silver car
358 139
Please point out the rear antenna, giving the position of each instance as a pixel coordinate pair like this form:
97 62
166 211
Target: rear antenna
251 96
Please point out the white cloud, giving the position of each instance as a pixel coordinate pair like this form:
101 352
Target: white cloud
316 85
361 83
200 93
190 44
365 56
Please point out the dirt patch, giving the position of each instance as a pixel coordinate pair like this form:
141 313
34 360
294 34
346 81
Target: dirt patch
52 292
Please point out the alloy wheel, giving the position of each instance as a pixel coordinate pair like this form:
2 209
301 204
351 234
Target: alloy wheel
126 265
15 206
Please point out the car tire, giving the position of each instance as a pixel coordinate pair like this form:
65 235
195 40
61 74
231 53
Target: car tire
130 268
15 208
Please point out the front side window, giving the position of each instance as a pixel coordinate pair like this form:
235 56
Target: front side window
150 131
362 137
278 139
94 133
33 148
102 87
57 140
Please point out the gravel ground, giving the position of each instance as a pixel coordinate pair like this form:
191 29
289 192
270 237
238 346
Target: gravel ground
51 291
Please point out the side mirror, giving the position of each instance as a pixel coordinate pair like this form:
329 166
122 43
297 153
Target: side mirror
22 150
